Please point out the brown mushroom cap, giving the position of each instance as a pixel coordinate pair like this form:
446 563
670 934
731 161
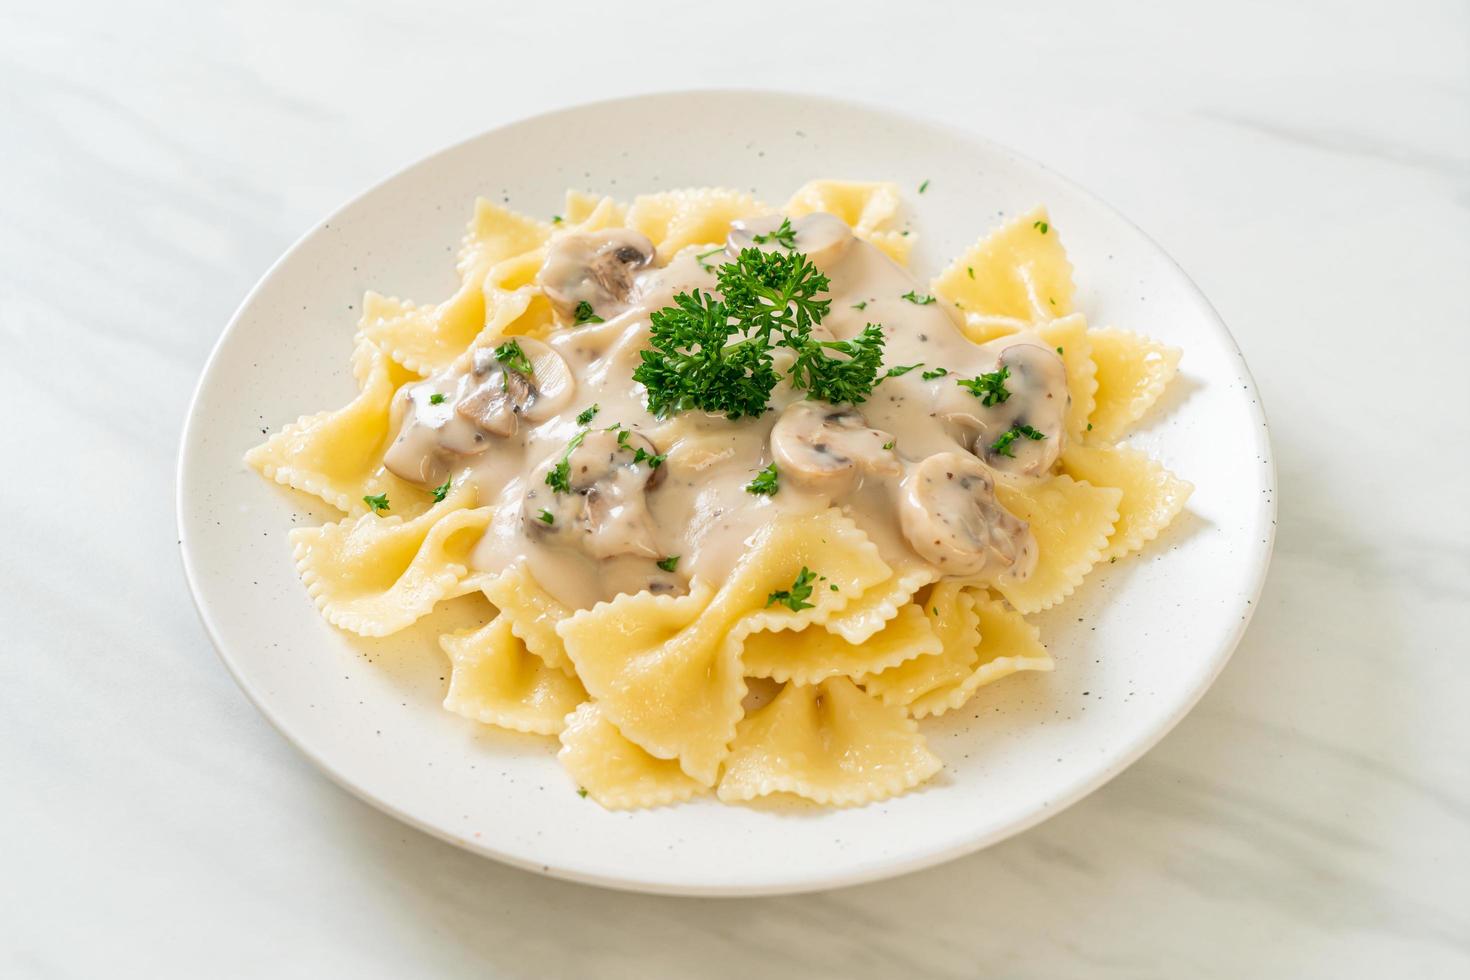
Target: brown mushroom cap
599 268
501 394
826 448
1037 397
950 516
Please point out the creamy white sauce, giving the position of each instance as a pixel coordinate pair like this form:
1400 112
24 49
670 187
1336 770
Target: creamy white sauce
621 517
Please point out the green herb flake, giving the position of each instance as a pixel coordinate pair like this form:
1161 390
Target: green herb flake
556 219
654 462
1089 426
623 435
860 306
378 503
546 517
989 388
766 482
700 258
514 359
888 444
668 564
585 314
917 299
899 371
1002 446
936 373
441 491
585 415
795 597
1060 351
1041 226
833 587
785 236
582 792
559 477
971 270
437 398
924 186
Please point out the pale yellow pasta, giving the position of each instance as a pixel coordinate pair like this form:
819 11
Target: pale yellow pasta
1132 372
615 772
375 575
338 455
532 612
950 609
877 606
1152 496
1072 522
426 339
869 207
495 234
1008 644
676 219
588 212
1018 274
495 680
815 653
831 743
667 670
1070 338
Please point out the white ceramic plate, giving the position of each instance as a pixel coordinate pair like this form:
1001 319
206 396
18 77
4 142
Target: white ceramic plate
1135 647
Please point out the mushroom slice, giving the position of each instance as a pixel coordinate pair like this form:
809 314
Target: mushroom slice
820 236
500 390
597 268
949 514
604 511
1035 407
826 448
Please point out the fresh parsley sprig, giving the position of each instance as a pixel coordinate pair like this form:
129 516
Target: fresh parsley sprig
795 597
514 359
989 388
785 236
766 482
839 379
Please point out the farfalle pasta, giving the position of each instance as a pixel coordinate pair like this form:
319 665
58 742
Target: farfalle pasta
750 501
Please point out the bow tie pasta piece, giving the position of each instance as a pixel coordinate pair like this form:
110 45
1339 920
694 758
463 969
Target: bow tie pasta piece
1072 521
426 339
675 219
873 610
532 612
1132 372
1069 337
1015 276
1152 496
589 212
494 235
337 455
615 772
375 575
831 744
495 680
667 670
869 208
1008 644
814 654
950 610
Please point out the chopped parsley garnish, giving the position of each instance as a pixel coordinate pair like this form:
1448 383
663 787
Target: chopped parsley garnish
654 462
582 792
924 186
833 587
900 371
1060 351
846 379
766 482
1041 226
514 359
971 270
668 564
888 444
585 314
1089 426
1002 446
559 477
556 219
437 398
936 373
378 503
586 414
795 597
860 306
917 299
785 236
700 258
623 435
441 491
989 388
546 516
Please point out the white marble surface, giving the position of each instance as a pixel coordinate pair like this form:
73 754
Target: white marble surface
1307 164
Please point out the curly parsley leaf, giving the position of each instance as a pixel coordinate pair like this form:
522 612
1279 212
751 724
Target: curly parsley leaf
989 388
585 314
849 378
766 482
692 361
795 597
378 502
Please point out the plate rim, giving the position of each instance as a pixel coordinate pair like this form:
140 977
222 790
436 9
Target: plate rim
858 873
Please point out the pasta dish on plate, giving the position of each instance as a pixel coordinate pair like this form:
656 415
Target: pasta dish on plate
749 500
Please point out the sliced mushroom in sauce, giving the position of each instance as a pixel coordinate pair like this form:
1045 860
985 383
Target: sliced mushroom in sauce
950 516
604 511
504 392
827 448
1035 406
595 268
